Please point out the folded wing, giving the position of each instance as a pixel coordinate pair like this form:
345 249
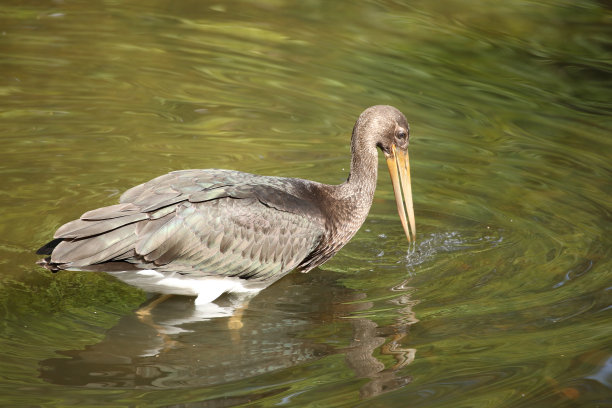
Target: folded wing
207 222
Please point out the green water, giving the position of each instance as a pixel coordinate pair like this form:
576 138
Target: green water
505 300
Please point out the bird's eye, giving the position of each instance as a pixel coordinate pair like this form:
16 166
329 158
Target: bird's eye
401 134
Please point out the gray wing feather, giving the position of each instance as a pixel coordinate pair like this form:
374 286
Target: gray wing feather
214 222
96 249
85 228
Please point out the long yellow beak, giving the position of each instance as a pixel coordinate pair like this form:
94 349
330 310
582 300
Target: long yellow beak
399 168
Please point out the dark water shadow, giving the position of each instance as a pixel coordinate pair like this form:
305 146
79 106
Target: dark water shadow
176 347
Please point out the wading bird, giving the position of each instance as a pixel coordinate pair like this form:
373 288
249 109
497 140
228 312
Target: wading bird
206 232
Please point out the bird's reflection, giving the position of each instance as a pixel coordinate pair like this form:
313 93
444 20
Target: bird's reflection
175 344
368 336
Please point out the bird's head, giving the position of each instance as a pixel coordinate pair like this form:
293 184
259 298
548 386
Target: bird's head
387 128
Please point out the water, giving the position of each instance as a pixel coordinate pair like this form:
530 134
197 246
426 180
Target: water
505 299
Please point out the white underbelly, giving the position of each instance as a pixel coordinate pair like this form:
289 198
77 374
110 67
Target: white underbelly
206 288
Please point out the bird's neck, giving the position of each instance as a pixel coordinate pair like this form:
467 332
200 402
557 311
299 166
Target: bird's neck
361 183
364 169
353 198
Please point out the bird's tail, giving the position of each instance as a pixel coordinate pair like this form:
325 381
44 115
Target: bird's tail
47 264
49 247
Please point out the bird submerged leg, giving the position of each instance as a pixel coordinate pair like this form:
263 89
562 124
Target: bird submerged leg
240 303
144 315
235 321
145 311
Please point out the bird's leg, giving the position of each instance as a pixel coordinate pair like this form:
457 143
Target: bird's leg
145 311
234 323
144 315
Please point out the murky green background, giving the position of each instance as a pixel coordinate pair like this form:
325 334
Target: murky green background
504 302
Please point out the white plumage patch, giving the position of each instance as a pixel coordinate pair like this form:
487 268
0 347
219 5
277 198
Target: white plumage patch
207 289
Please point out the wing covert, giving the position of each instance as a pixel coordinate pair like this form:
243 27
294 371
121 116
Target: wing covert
229 237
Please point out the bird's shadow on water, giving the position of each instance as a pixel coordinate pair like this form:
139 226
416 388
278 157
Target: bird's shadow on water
176 344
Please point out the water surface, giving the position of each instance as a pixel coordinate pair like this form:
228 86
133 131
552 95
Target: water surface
505 299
